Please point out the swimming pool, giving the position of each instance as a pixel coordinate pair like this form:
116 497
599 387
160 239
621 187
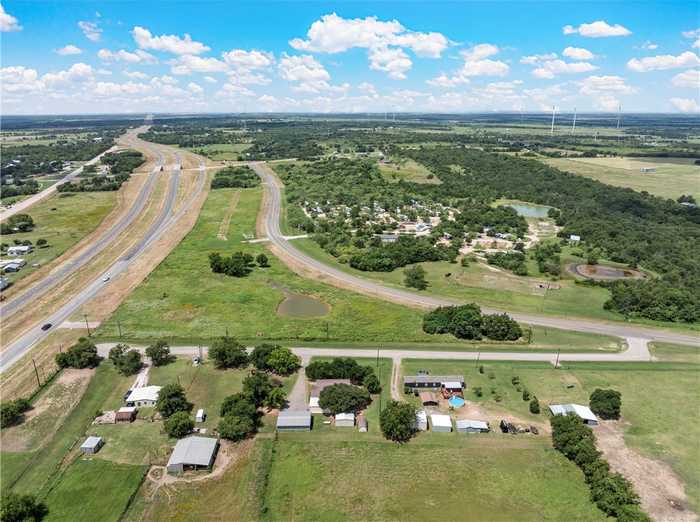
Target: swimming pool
456 402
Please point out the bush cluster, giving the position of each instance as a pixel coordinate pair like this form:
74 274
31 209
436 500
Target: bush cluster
611 492
239 264
80 355
275 358
339 368
235 177
11 412
467 322
126 361
606 403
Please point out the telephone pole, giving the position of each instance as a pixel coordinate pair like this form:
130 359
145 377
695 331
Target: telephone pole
36 372
87 325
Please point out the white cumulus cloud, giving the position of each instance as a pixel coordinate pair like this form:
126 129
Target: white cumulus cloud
122 55
392 60
551 68
194 88
685 104
663 62
8 23
69 50
598 29
167 43
689 79
187 64
536 58
578 53
605 84
91 30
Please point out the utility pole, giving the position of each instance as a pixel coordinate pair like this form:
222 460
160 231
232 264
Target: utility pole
478 356
87 325
36 372
119 326
556 365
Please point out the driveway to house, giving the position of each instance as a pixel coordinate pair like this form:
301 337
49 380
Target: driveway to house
331 275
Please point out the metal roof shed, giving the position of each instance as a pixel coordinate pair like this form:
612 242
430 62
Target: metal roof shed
441 423
345 420
472 426
193 453
91 445
294 420
421 420
584 412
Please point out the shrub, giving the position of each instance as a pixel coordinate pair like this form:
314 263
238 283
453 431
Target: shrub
478 391
240 405
515 380
415 278
159 353
606 403
371 383
481 369
80 355
257 386
11 412
20 508
501 327
262 261
526 394
398 421
228 353
172 399
179 424
534 406
342 398
235 428
282 361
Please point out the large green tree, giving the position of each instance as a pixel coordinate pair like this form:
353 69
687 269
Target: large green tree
172 399
398 421
343 398
179 424
159 352
228 353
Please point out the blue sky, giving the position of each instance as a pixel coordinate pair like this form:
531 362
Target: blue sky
201 56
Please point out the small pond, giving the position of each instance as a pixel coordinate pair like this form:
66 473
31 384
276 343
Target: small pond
530 210
299 305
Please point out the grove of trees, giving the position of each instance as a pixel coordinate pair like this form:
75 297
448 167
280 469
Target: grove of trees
467 322
83 354
606 403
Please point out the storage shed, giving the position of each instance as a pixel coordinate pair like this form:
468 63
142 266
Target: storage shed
472 426
362 423
126 414
193 453
428 399
294 420
584 412
91 445
345 420
432 381
441 423
421 421
201 416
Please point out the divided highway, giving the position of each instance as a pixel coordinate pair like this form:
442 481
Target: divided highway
13 352
373 288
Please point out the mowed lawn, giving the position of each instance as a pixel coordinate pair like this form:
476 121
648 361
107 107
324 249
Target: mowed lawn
182 299
93 489
659 401
458 478
63 220
673 176
398 168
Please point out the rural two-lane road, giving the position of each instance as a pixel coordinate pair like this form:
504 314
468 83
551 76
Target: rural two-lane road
345 280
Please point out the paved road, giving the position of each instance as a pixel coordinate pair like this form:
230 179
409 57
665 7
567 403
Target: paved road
21 301
23 205
165 219
366 286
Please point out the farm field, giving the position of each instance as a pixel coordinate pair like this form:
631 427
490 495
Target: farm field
648 391
93 489
367 480
673 176
674 352
63 220
168 304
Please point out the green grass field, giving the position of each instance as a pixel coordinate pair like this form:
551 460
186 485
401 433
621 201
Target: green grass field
63 220
93 489
222 151
501 290
407 169
457 478
675 352
659 400
183 299
673 176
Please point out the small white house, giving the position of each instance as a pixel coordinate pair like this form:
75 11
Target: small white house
587 416
574 238
441 423
472 426
19 250
421 420
345 420
91 445
201 416
143 396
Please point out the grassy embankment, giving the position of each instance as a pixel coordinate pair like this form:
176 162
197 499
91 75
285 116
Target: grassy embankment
63 220
659 401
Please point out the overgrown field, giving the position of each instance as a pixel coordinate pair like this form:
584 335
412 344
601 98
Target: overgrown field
183 299
673 176
63 220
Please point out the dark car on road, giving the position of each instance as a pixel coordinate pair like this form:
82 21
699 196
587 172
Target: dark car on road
46 326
